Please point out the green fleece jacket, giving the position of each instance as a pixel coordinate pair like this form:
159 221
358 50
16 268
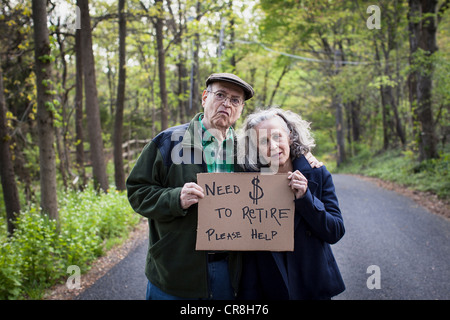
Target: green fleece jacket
171 159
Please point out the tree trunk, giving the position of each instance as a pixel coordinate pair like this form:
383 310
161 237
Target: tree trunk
388 100
422 40
283 73
232 38
91 101
119 174
182 85
388 90
45 109
340 136
264 93
161 65
10 193
61 131
79 136
337 103
194 98
387 124
355 114
183 103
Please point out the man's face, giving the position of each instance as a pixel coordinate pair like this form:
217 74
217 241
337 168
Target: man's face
222 114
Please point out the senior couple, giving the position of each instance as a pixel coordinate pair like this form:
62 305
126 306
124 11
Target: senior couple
166 192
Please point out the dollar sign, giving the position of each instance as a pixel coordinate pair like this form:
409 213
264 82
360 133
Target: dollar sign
256 193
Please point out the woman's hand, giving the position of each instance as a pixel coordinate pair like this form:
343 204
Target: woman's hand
298 183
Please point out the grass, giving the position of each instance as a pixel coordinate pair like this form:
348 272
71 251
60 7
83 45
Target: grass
402 167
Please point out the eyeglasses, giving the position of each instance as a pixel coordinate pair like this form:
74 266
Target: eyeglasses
222 97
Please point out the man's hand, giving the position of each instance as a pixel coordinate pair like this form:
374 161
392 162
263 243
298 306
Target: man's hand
190 193
313 162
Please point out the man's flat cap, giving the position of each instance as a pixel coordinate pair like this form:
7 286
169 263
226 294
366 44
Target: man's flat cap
229 77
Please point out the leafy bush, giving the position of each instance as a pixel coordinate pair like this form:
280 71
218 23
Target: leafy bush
38 253
401 167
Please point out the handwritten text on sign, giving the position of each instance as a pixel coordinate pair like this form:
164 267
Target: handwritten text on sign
245 211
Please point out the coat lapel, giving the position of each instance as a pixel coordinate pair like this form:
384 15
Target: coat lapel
304 167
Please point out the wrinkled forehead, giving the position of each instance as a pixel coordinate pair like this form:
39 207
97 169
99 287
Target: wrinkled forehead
228 88
272 126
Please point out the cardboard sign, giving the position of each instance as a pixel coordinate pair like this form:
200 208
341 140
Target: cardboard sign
245 211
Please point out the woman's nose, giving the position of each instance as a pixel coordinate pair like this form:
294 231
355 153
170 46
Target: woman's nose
274 145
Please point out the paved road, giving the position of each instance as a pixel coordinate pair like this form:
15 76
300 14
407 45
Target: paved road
409 247
125 281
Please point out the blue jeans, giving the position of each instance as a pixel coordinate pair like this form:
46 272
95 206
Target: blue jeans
219 285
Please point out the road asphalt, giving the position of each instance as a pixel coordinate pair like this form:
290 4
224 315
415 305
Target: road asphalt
392 249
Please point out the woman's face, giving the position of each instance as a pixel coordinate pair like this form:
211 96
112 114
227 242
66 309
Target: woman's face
273 141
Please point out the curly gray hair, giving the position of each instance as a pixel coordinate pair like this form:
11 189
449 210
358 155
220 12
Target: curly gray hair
301 140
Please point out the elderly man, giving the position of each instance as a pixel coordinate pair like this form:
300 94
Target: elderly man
162 187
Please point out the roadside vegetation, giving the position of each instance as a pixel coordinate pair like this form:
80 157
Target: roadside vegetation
403 168
40 251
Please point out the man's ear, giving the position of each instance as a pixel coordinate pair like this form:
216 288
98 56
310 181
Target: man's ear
204 96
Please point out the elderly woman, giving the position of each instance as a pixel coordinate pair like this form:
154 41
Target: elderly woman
280 140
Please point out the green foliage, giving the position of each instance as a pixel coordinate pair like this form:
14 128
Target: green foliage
37 255
403 168
261 38
46 58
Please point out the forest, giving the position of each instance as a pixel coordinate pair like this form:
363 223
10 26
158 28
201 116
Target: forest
84 85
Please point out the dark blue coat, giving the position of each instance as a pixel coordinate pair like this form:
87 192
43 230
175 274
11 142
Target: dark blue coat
310 271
